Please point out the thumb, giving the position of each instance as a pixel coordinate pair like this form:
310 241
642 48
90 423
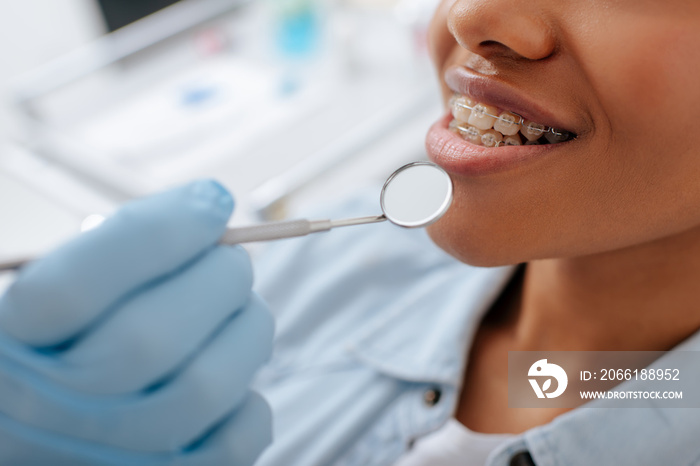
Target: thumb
56 297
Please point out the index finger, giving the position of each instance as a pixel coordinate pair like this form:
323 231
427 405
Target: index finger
56 297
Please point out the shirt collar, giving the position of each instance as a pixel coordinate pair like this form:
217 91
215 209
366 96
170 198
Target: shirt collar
427 339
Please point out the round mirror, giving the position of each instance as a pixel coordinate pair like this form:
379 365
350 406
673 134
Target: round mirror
416 195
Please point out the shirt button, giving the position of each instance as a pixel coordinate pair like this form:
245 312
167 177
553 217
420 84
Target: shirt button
522 458
431 397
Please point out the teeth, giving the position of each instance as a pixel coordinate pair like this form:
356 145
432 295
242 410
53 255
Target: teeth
508 123
513 140
485 125
532 131
461 108
473 135
554 136
481 116
491 138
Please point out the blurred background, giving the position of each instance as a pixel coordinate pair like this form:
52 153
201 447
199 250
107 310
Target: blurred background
289 103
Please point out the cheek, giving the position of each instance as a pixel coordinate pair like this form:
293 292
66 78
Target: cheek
646 76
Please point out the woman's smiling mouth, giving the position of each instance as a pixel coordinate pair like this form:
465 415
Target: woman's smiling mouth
492 128
486 125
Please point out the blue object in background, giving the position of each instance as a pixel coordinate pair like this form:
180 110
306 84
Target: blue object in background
198 94
298 28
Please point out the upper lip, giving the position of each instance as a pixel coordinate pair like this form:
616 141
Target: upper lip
492 92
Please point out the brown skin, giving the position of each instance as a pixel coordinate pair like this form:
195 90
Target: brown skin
610 231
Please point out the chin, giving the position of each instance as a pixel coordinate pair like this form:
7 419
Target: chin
476 248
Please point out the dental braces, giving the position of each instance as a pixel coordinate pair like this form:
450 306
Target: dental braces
538 130
473 133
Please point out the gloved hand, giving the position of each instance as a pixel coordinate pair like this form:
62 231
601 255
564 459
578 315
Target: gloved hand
136 343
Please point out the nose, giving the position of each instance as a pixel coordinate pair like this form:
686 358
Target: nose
502 28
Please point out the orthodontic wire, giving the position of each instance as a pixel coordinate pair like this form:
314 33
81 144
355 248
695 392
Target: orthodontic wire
547 129
466 130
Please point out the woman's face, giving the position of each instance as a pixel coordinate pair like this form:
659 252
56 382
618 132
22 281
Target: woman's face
622 75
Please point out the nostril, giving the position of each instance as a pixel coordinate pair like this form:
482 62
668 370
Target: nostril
500 28
492 49
492 43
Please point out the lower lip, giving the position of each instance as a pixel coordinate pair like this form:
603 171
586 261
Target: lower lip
461 157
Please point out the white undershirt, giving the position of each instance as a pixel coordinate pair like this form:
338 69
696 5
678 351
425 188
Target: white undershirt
452 445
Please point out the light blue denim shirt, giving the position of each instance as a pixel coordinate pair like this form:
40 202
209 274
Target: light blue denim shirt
371 319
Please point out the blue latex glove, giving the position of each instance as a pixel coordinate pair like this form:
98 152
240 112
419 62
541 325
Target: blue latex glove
136 343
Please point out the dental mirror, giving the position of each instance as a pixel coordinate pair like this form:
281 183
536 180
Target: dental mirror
416 195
